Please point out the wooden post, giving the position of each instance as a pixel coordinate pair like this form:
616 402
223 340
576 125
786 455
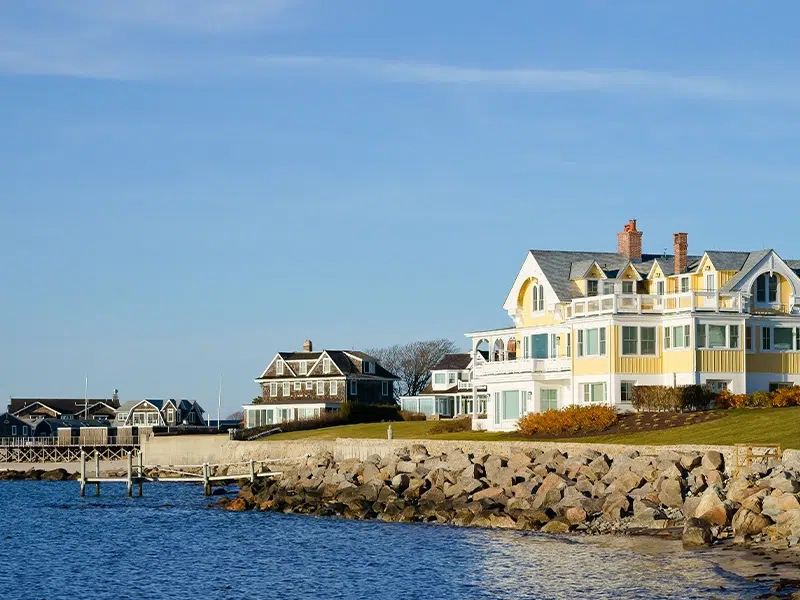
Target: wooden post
140 465
389 433
97 472
206 481
252 471
130 474
83 472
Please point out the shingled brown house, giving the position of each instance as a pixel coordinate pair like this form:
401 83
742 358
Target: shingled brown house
300 385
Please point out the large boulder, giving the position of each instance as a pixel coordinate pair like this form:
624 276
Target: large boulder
457 461
550 492
400 482
712 508
748 523
774 506
575 515
555 526
671 493
696 533
493 493
691 461
519 460
626 482
615 507
406 466
740 489
55 475
784 481
713 461
470 485
549 458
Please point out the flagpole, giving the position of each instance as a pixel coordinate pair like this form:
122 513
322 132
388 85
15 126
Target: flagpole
86 397
219 403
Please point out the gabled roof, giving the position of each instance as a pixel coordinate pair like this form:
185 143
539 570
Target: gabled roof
727 261
454 362
60 405
753 258
349 362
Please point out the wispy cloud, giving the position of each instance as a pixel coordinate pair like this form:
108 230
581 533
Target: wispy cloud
530 78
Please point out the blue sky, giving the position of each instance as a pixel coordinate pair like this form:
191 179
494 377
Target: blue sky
188 186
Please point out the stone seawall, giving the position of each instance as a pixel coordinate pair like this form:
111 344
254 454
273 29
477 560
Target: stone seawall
572 489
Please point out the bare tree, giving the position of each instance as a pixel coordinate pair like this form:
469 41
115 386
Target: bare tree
238 415
413 362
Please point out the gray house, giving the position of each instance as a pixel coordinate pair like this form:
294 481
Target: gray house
11 426
160 413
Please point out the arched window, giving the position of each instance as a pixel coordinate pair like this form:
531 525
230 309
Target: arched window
767 288
541 297
538 298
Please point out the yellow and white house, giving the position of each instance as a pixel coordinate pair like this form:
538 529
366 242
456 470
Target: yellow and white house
588 326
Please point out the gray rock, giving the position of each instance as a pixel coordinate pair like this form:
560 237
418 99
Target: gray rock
691 461
671 493
696 533
713 461
615 507
626 482
406 466
748 523
784 481
774 506
400 482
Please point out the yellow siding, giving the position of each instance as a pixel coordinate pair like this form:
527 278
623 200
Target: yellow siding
595 273
720 361
629 273
678 361
525 297
581 283
638 364
786 294
723 277
774 362
594 365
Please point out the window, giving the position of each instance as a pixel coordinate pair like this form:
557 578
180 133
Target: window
309 385
608 287
774 386
680 336
385 388
667 338
451 378
285 389
368 366
24 430
353 387
171 415
648 335
538 298
320 388
594 392
733 334
684 285
334 388
626 392
191 417
627 287
797 339
783 338
297 386
569 344
273 389
591 287
326 365
548 400
710 286
438 378
660 287
591 342
553 345
766 338
13 430
766 288
630 340
718 385
279 367
526 343
303 367
748 338
716 336
539 345
510 404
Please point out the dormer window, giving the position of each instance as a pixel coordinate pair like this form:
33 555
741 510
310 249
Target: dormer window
369 366
767 289
303 367
591 287
279 367
627 287
326 365
538 298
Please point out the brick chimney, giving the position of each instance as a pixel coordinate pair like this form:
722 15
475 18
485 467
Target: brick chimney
308 346
629 241
680 243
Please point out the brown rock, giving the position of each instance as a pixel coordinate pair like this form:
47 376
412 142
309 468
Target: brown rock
747 523
696 534
712 508
237 505
671 493
626 482
713 461
555 526
502 522
492 493
575 515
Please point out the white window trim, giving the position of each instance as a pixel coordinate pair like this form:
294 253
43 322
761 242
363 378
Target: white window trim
638 352
766 302
587 387
600 343
333 388
621 383
772 349
685 279
287 390
273 389
727 346
279 367
309 385
303 367
320 388
298 386
669 338
632 284
326 366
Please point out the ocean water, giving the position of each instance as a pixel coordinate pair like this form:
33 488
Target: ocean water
55 545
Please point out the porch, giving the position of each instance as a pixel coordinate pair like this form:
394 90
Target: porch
726 302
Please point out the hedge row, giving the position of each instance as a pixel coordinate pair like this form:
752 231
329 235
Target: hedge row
659 398
787 396
573 419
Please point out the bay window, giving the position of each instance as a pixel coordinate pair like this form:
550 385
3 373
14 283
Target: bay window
733 337
678 336
438 378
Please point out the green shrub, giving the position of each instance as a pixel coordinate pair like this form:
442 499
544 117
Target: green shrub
452 426
659 398
573 419
761 399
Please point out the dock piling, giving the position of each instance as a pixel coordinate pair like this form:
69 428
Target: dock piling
97 472
130 474
83 473
206 479
252 471
140 469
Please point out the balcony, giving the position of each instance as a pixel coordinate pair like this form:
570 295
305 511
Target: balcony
642 304
464 385
521 366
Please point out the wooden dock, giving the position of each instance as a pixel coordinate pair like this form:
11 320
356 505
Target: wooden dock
136 476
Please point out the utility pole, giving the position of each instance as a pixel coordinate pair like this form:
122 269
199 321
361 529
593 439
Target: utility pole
219 404
86 397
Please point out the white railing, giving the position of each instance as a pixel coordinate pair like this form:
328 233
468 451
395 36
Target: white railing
89 440
525 365
655 304
464 385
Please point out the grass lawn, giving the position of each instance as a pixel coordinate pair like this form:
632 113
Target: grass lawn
757 426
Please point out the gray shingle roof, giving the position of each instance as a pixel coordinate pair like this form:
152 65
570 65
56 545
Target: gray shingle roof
727 261
753 258
453 362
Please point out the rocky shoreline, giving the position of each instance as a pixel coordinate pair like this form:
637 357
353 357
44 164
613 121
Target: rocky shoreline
38 475
687 495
